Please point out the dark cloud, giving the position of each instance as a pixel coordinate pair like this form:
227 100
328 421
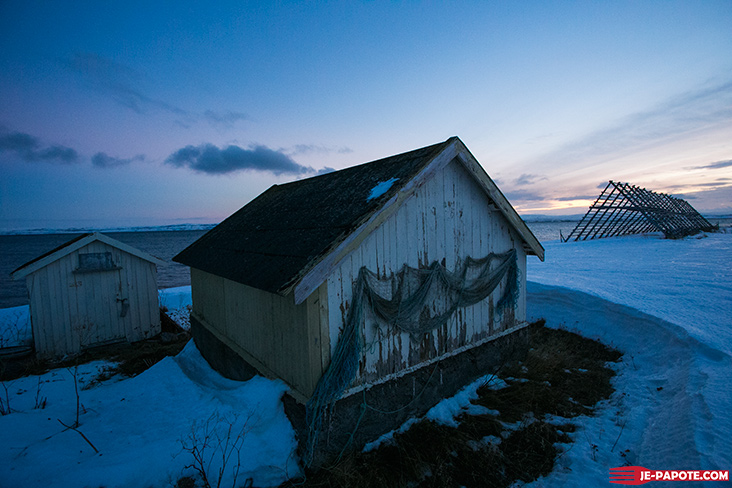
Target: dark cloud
719 164
102 160
18 142
29 149
325 170
528 179
210 159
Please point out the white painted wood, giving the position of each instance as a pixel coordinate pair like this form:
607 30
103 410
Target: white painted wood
449 216
72 310
530 242
29 268
319 272
276 336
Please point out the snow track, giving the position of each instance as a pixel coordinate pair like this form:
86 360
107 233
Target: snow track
672 401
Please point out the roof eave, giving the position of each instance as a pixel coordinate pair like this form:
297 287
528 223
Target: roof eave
532 246
318 269
76 244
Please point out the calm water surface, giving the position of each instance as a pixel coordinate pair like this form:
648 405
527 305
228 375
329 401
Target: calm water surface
16 250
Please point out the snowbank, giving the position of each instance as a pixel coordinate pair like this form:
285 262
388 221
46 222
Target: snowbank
665 304
139 426
175 298
687 282
178 304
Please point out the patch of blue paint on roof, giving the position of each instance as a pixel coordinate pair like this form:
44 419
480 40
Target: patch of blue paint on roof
381 188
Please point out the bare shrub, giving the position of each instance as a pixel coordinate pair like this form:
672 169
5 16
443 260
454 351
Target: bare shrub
5 404
41 401
14 330
215 446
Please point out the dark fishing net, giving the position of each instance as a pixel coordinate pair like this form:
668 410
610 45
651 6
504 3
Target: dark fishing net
416 301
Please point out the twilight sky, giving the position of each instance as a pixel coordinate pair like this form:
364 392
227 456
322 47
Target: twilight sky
140 114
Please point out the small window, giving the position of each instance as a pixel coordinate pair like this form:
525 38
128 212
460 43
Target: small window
96 261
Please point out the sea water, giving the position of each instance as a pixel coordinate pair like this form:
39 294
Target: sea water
16 250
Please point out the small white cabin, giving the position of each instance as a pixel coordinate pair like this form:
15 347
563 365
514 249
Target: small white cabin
91 291
357 286
275 281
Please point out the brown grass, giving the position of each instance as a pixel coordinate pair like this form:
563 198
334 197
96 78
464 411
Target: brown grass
131 358
563 374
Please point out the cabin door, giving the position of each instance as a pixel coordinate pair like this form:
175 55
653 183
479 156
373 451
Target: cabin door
107 305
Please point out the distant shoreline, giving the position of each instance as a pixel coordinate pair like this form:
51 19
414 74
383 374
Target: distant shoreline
81 230
529 218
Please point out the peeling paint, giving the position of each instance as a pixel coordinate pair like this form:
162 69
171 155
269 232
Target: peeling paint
466 225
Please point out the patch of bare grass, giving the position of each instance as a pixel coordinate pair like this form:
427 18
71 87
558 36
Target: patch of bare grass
563 375
131 358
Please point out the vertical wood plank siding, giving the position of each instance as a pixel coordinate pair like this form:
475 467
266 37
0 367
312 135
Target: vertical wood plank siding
276 336
70 311
447 219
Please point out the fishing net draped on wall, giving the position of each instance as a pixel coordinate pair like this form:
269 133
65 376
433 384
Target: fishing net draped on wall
415 301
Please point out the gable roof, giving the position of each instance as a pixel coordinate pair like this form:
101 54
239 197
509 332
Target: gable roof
74 244
291 235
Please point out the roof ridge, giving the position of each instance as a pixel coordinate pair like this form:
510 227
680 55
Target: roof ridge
431 147
336 203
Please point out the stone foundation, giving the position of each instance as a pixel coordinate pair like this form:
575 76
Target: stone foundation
366 414
220 356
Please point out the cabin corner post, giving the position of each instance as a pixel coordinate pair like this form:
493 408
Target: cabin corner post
318 343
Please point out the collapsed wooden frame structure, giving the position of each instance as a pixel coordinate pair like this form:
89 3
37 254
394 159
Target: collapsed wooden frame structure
623 209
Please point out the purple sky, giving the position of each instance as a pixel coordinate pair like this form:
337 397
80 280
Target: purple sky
142 114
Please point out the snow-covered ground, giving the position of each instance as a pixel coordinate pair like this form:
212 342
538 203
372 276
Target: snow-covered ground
144 427
141 426
177 304
666 304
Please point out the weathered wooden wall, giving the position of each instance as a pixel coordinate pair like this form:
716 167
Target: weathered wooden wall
71 310
448 218
269 331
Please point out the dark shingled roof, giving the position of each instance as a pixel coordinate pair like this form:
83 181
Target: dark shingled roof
268 242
